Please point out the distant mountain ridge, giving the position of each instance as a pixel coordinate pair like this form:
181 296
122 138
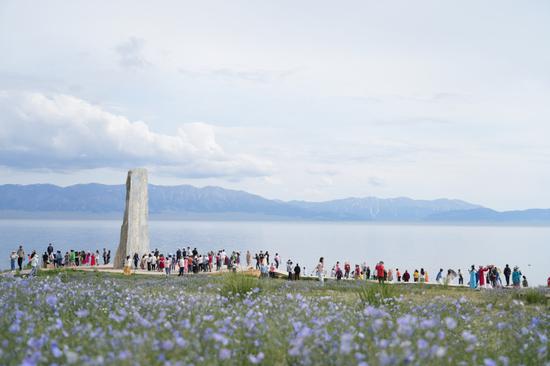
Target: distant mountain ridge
188 201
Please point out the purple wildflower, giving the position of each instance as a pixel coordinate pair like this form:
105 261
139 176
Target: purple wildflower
224 354
345 343
450 323
256 359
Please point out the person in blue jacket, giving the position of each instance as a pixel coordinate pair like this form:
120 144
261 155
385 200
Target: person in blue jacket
473 277
516 277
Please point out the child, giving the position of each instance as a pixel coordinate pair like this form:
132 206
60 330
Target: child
13 260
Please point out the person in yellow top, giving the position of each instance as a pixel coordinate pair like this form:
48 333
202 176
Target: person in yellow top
128 266
416 275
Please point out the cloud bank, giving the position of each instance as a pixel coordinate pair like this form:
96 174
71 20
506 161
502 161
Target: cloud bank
62 132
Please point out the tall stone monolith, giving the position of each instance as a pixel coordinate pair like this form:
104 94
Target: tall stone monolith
134 232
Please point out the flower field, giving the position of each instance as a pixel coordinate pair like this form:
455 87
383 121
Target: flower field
97 319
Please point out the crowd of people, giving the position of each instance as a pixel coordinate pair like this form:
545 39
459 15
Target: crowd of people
188 261
489 276
184 261
56 259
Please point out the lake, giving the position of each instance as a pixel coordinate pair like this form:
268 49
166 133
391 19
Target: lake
405 246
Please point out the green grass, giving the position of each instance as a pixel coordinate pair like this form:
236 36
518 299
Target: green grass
238 284
376 294
532 296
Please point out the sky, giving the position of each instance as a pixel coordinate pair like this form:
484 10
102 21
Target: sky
309 100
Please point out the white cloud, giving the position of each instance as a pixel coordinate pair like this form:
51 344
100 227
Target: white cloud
62 132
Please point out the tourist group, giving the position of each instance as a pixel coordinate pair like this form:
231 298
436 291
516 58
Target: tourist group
189 261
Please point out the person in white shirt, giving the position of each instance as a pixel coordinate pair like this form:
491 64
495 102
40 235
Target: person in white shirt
320 269
182 266
34 264
168 265
128 266
13 260
149 262
289 269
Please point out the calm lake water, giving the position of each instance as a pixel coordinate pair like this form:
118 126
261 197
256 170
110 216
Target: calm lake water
399 245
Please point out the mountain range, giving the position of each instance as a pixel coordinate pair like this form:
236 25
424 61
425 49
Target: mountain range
185 201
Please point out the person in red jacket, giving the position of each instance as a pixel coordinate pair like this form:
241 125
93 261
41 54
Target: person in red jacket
347 269
161 263
380 271
481 275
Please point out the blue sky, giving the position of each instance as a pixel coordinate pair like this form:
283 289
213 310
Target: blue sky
288 99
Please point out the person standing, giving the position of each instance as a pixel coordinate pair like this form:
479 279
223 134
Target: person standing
34 264
181 263
507 273
264 271
277 260
258 259
297 270
128 266
439 276
72 258
389 276
460 278
136 260
357 272
422 275
481 276
516 277
168 265
289 269
50 249
473 277
20 257
416 275
406 276
210 261
320 269
45 260
154 263
13 260
380 272
162 263
338 272
398 274
347 269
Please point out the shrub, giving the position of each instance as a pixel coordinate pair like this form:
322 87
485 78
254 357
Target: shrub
238 284
532 296
376 294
